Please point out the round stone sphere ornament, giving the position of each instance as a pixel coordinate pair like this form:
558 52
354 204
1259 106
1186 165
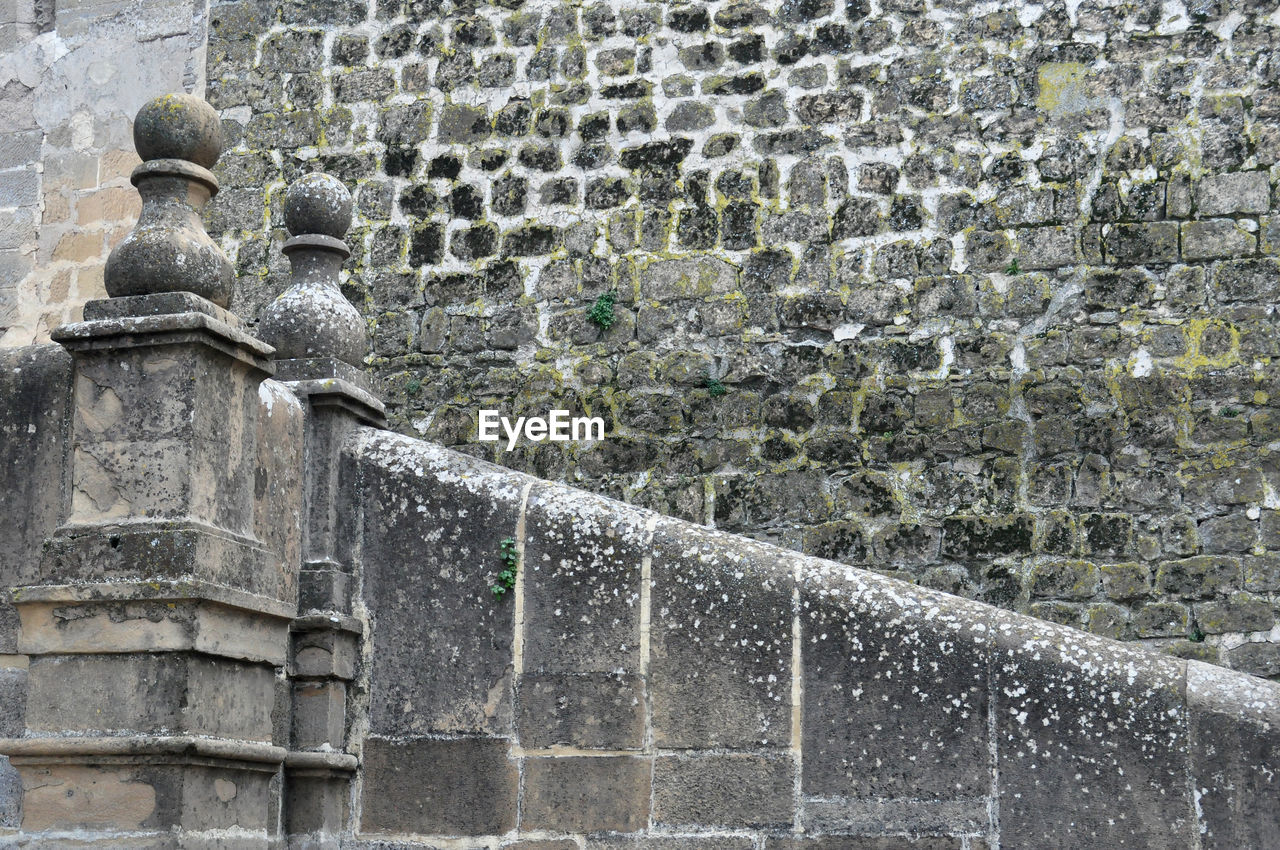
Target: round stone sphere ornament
179 138
312 319
318 203
178 126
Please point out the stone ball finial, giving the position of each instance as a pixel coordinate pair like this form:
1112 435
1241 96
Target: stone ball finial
179 138
317 203
312 319
178 126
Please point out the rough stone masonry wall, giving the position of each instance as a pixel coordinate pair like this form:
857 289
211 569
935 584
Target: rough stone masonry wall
989 285
73 73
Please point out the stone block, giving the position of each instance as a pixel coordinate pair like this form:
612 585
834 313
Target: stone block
724 790
431 604
1247 280
1232 485
870 819
1064 580
153 617
13 702
278 477
1156 242
460 786
10 795
1046 247
581 710
1125 581
582 570
1216 238
869 842
664 280
17 228
1260 659
1234 532
983 536
586 794
1076 730
1160 619
1262 573
19 149
315 802
151 692
1198 578
19 188
895 694
321 653
1240 612
663 842
1239 192
720 674
319 715
147 795
1234 741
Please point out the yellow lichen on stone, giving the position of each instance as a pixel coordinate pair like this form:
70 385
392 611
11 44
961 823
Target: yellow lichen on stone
1064 88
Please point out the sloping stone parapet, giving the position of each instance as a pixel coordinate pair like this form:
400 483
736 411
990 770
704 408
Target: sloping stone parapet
674 686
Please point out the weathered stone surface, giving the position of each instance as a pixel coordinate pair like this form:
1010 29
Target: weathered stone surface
431 604
731 791
1233 724
734 604
151 693
1238 192
459 786
36 385
701 842
595 794
582 573
586 710
895 693
1089 737
852 842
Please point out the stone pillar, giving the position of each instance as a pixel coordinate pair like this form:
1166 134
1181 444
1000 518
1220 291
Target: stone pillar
320 342
159 630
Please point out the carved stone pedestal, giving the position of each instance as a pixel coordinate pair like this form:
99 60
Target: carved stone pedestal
159 633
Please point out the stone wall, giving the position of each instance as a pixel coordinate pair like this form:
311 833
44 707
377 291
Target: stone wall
987 290
646 683
653 685
75 73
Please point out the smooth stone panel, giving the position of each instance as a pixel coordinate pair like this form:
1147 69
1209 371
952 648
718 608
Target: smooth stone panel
433 524
1092 740
721 640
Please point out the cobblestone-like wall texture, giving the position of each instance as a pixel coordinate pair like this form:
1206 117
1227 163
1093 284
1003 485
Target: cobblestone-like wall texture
974 294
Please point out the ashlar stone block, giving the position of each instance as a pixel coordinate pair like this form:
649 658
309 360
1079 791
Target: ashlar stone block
716 597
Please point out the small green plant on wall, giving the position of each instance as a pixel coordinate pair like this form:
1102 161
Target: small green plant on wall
507 578
601 313
716 387
1013 267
